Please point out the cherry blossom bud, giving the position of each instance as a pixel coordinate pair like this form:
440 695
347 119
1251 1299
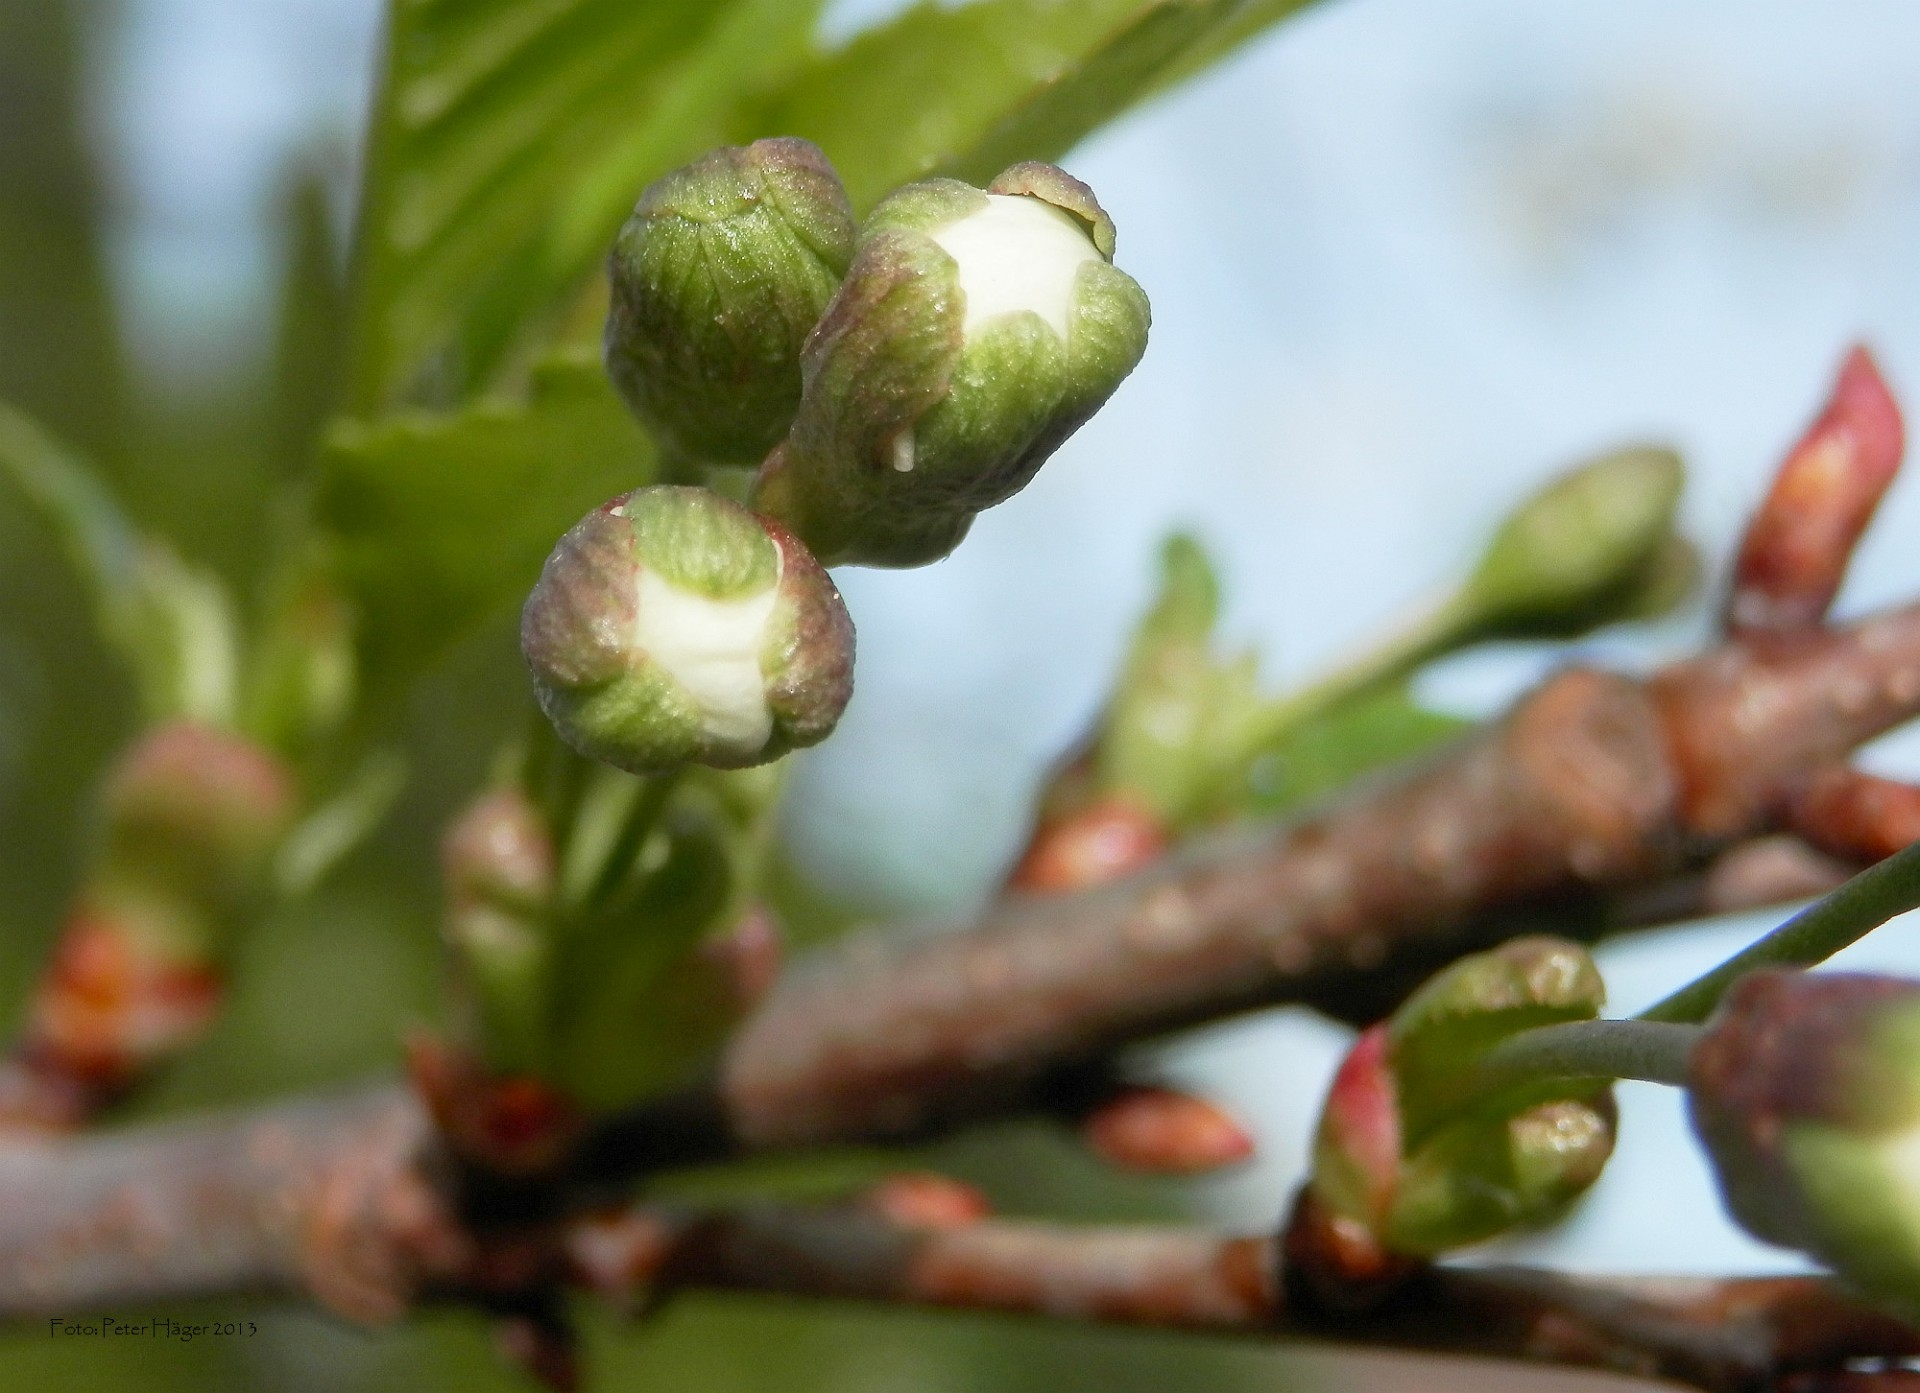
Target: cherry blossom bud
1158 1131
975 331
1595 546
1410 1153
671 626
716 280
1805 1091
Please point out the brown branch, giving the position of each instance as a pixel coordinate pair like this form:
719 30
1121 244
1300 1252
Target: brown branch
1593 789
341 1200
1711 1334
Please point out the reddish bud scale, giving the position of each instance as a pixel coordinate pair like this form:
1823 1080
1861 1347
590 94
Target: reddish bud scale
1796 549
1106 841
1156 1131
926 1200
1361 1121
1857 816
544 1347
514 1125
108 1007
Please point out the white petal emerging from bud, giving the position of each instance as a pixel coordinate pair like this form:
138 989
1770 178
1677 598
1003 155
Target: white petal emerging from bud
1017 253
711 649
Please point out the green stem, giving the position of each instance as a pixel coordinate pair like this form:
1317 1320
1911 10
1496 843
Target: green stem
1438 629
1634 1049
640 821
1816 933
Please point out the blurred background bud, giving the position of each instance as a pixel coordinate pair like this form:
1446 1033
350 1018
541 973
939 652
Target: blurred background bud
498 867
974 333
1805 1091
716 280
673 626
1161 1131
1595 546
1416 1152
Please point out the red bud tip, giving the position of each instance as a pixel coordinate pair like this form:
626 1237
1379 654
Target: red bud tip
105 1009
1857 816
1107 841
1157 1131
1796 550
1361 1119
516 1125
926 1200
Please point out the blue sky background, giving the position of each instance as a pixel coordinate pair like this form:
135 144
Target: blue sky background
1406 259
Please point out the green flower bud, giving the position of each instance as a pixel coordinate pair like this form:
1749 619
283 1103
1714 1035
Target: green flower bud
497 867
1596 545
1805 1091
193 816
974 333
716 280
672 626
1424 1161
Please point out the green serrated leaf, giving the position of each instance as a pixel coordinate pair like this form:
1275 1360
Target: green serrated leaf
172 622
967 91
439 520
509 141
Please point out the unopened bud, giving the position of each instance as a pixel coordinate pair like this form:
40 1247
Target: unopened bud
673 626
926 1200
195 813
716 280
1593 547
1805 1091
1111 839
1411 1152
498 868
975 331
1158 1131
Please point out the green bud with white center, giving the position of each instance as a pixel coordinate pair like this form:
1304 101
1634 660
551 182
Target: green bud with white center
672 626
1805 1091
1595 546
975 331
716 279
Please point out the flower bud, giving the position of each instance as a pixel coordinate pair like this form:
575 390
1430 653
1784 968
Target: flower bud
1805 1091
1593 547
975 332
716 279
671 625
1160 1131
497 866
1411 1152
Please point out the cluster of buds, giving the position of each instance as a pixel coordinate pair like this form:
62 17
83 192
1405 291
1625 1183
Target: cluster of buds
1805 1091
192 816
1415 1157
891 381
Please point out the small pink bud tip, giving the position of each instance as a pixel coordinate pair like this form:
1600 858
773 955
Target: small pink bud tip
498 850
1107 841
926 1200
1857 816
514 1124
748 956
1796 549
618 1252
1156 1131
